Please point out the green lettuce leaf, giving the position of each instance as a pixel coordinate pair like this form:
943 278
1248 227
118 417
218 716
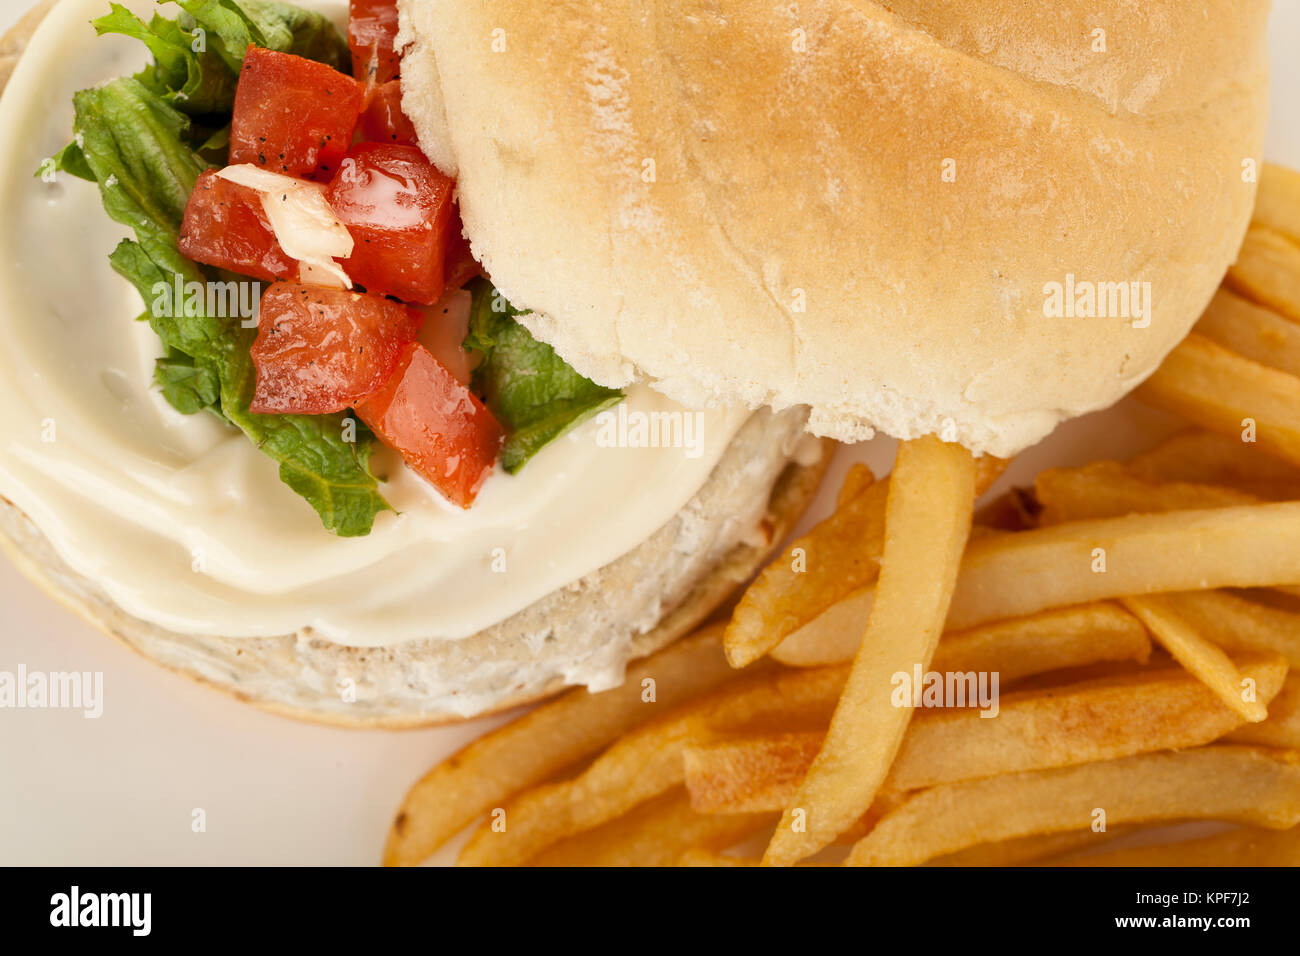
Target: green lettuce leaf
533 393
185 73
71 160
188 386
233 24
134 143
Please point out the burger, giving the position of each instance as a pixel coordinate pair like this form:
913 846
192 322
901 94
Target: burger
559 307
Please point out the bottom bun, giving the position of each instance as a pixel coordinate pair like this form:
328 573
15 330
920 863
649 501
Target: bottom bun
584 633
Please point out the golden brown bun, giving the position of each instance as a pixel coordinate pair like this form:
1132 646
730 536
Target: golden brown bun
747 201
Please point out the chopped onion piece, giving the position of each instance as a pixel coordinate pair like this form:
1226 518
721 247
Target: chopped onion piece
303 222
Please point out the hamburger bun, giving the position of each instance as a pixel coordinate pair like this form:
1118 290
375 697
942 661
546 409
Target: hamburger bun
854 206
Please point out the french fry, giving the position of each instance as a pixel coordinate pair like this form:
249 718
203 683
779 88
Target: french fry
1018 647
1057 727
548 739
1106 489
1035 730
832 560
1243 846
1081 561
1238 625
826 565
648 762
856 480
1277 206
1199 655
1029 850
1049 641
1222 782
705 858
1282 728
751 774
988 470
656 833
1208 458
1222 391
1268 270
928 519
1252 331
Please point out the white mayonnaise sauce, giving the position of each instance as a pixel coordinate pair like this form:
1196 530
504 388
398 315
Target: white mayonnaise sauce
181 520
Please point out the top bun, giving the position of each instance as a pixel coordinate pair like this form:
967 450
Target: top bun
856 206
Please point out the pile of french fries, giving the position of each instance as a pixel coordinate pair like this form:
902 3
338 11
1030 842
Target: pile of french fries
1140 619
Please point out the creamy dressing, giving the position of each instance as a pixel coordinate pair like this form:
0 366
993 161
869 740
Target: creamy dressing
180 519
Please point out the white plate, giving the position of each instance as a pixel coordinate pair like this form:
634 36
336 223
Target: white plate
124 788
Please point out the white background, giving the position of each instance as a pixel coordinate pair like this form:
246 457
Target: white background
122 789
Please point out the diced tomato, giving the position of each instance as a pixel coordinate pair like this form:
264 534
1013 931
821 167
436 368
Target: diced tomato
397 206
460 266
372 27
440 428
321 350
225 226
383 120
293 115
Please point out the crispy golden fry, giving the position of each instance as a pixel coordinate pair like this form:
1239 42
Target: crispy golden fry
1073 724
834 559
1230 783
1208 458
540 744
1029 850
1202 657
705 858
856 480
1282 728
656 833
1163 709
1239 625
648 761
1219 390
1018 574
749 774
931 498
1016 647
1243 846
1277 206
1107 489
987 471
1268 270
1253 331
1052 640
826 565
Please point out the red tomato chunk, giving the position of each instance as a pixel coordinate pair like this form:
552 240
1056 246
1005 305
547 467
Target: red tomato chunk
293 115
441 430
321 350
397 206
383 120
372 26
224 226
